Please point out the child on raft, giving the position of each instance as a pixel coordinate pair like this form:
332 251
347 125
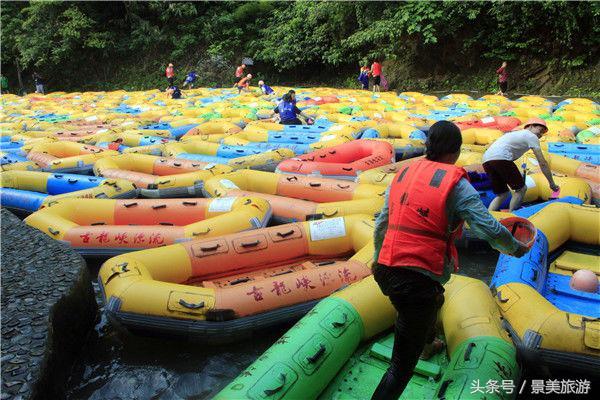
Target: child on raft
244 84
265 89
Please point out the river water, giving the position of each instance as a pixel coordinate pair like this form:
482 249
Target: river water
118 365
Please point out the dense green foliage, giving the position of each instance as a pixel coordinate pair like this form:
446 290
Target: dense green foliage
127 44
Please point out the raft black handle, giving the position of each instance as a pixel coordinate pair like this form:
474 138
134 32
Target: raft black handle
277 136
322 155
251 244
201 233
332 152
337 324
314 184
72 180
190 203
164 182
211 248
500 299
159 206
53 231
443 388
294 138
191 306
326 263
269 392
97 223
177 164
130 205
343 186
534 275
197 165
310 159
292 178
285 234
240 280
315 357
470 347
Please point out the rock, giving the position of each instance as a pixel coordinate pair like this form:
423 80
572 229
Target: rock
48 309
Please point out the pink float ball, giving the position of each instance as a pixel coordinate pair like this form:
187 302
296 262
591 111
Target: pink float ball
584 280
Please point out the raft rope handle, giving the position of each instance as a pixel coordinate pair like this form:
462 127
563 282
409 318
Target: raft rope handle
314 184
164 182
292 178
343 186
190 203
500 299
347 169
534 275
285 234
201 233
250 244
240 280
53 231
443 388
315 357
159 206
72 180
336 324
177 164
269 392
322 155
470 347
130 205
332 152
212 248
191 306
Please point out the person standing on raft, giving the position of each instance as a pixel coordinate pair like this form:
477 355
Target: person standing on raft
170 74
376 73
288 111
498 163
239 72
502 79
414 236
363 77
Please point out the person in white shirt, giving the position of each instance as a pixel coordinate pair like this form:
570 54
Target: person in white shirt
502 171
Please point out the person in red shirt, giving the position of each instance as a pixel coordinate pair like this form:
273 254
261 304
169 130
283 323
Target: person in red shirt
239 72
502 79
244 83
116 144
170 74
376 74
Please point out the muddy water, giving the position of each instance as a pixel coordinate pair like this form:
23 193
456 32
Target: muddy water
119 365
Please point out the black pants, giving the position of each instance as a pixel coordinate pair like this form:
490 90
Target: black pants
294 121
417 298
170 80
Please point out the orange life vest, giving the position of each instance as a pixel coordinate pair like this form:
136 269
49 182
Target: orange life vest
418 234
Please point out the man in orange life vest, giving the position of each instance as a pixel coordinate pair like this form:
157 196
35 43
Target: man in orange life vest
425 207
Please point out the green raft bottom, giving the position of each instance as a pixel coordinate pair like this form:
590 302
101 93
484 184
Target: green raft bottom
477 360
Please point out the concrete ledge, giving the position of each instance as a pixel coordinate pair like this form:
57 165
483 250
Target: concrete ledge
48 309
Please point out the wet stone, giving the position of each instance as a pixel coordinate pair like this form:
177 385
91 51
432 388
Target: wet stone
48 309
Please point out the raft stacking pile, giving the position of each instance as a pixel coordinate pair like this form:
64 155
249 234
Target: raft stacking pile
216 222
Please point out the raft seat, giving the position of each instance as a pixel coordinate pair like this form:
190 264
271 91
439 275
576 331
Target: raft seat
569 262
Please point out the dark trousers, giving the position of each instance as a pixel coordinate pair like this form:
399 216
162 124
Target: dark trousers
417 298
295 121
170 81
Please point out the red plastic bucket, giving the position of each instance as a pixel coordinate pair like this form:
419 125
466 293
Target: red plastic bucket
521 229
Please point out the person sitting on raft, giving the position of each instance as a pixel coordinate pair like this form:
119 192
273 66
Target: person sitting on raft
244 84
498 163
115 144
265 89
173 92
288 112
423 213
190 79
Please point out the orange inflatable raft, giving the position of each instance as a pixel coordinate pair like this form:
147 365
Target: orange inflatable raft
297 197
110 227
344 161
160 177
227 287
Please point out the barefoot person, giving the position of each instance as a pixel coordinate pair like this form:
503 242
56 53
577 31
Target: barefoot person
498 163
